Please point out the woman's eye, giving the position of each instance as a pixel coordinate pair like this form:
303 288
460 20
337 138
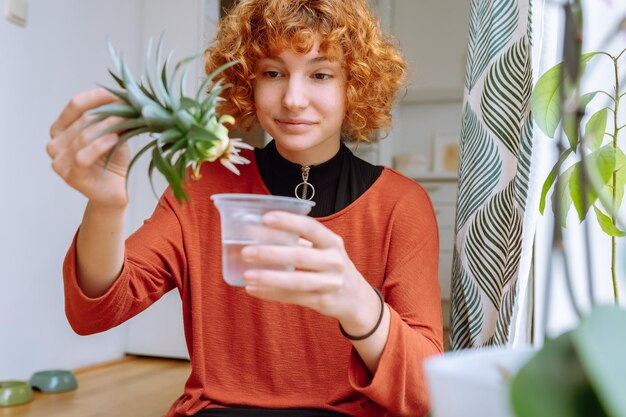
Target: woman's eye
322 76
272 74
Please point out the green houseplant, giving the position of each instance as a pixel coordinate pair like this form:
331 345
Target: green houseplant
597 142
581 372
185 131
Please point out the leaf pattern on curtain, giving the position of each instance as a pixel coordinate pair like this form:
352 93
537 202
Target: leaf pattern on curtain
504 319
492 24
466 309
494 244
529 25
505 99
494 173
480 167
524 158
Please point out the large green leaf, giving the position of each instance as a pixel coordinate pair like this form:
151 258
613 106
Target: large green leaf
607 224
570 122
579 374
606 197
599 341
545 101
545 97
547 185
553 384
596 128
601 161
562 193
620 178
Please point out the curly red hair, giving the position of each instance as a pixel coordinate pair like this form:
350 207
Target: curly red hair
375 70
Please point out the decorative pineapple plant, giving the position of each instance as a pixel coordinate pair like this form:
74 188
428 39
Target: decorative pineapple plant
184 131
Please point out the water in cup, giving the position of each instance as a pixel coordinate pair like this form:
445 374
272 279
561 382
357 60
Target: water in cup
241 225
234 266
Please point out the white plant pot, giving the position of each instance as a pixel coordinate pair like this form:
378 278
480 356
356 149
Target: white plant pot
473 383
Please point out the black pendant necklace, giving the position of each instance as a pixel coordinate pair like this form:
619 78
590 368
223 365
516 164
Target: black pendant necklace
305 187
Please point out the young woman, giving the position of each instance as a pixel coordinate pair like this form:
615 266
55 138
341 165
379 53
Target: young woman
347 332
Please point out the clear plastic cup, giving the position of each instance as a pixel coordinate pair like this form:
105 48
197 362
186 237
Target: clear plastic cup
240 218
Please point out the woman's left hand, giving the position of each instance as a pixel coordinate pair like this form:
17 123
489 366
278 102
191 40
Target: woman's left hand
325 278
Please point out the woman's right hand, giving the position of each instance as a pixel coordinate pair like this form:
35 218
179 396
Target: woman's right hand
79 159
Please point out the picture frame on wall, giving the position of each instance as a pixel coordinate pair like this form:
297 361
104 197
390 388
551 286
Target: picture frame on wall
446 152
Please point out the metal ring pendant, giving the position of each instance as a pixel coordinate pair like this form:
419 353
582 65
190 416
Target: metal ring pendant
305 186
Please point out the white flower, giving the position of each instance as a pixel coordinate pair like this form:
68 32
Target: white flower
231 155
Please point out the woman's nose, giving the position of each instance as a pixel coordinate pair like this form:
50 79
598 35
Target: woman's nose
295 96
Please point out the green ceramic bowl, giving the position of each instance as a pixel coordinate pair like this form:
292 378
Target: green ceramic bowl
57 380
15 393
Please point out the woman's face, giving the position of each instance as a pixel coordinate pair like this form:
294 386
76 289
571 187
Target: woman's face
300 101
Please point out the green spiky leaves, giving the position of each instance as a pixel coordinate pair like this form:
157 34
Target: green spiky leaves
185 131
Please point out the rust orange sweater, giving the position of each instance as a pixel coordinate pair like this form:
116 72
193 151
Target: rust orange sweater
248 352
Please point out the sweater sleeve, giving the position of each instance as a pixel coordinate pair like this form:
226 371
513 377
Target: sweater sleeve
154 263
411 290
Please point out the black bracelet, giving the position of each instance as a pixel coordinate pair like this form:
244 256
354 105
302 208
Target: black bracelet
371 332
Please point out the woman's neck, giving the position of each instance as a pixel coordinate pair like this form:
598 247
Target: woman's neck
309 157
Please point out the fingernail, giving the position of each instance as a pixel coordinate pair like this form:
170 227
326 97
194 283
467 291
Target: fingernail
270 219
250 276
249 251
250 289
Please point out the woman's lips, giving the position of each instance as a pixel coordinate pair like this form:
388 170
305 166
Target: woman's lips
294 125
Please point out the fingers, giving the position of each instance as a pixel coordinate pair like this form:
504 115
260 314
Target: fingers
289 281
306 227
297 256
76 135
305 243
75 138
66 162
306 299
68 136
91 153
75 149
78 105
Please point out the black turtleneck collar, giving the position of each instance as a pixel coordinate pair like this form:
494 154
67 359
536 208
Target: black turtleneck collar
338 181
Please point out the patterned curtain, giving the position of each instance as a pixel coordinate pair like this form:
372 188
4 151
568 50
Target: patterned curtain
494 173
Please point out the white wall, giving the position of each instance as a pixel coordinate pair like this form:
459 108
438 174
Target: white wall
61 51
432 34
